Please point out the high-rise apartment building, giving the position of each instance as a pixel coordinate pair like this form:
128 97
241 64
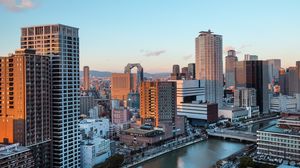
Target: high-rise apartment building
231 60
61 43
86 78
25 94
254 74
158 102
209 65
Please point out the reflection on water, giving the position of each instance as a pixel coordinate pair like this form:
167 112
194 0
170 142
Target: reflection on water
257 126
200 155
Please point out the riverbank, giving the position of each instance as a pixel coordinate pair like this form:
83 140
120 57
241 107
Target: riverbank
164 152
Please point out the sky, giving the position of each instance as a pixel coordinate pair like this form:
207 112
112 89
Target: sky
159 33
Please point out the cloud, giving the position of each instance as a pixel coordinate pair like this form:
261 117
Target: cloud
17 5
187 57
152 53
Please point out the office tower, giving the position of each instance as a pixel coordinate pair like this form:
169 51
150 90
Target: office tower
176 69
158 102
122 84
209 65
175 75
291 80
282 81
245 97
86 78
86 103
125 83
61 43
25 94
254 74
191 71
274 66
248 57
184 73
231 60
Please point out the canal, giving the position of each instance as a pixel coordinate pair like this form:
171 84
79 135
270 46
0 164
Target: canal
203 154
200 155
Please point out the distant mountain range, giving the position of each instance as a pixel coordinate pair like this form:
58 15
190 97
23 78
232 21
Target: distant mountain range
108 74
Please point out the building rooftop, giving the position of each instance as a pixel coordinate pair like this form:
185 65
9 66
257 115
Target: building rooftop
8 150
276 129
143 132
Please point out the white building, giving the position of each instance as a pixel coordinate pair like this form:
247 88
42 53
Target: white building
61 43
209 65
191 101
94 151
235 114
245 97
283 103
94 128
94 112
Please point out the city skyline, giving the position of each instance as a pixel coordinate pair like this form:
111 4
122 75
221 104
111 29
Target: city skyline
159 34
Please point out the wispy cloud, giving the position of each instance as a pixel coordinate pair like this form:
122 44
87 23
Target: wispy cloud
187 57
152 53
17 5
239 50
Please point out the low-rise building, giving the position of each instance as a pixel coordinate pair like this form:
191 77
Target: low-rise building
281 140
94 151
234 114
143 136
199 113
94 127
283 103
15 156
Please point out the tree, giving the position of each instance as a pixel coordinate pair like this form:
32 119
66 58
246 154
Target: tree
246 162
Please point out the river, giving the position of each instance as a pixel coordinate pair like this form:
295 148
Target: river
200 155
203 154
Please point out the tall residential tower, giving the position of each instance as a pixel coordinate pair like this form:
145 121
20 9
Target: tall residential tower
86 78
209 65
61 43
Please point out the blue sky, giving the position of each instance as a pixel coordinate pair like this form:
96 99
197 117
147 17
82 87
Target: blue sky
159 33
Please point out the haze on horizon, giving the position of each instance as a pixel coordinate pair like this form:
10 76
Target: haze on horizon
157 33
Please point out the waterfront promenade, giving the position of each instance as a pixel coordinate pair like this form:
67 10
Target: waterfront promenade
164 149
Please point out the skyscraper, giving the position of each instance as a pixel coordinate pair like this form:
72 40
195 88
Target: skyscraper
25 103
231 60
209 65
274 66
176 69
254 74
86 78
191 71
158 102
249 57
61 43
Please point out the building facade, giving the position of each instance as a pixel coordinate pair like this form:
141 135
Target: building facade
86 78
230 60
61 43
25 103
209 65
283 103
16 156
157 102
281 140
191 71
86 103
254 74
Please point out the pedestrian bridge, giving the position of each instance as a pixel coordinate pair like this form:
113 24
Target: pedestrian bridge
231 134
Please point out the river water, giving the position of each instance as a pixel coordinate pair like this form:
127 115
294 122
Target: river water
203 154
200 155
